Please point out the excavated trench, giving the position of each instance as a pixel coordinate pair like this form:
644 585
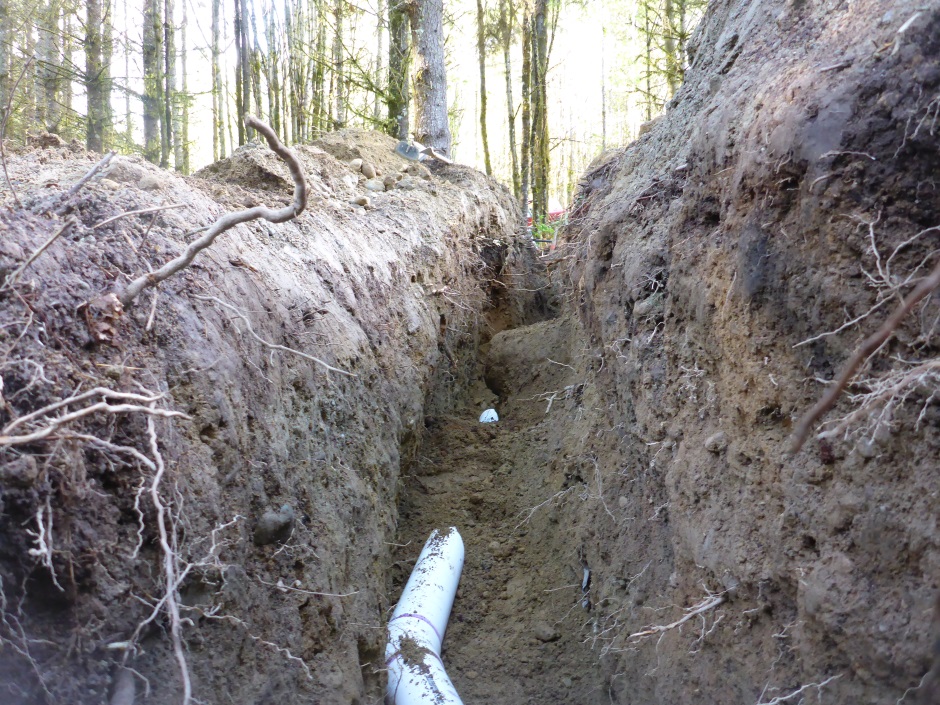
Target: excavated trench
636 531
516 633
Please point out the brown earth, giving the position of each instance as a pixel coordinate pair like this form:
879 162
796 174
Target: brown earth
635 530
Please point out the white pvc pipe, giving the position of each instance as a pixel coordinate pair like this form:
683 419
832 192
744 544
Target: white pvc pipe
416 674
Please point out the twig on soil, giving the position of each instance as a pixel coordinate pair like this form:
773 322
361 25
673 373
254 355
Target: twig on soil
242 623
708 603
84 180
868 347
66 226
289 588
229 220
272 346
3 129
798 691
538 506
155 209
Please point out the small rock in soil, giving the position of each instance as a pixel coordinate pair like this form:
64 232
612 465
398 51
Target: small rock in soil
375 185
717 442
151 182
407 184
21 472
274 526
545 632
367 170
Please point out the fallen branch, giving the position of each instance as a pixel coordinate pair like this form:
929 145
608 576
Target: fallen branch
84 180
66 226
229 220
272 346
155 209
868 346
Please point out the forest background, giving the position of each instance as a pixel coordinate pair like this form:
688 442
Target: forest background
536 88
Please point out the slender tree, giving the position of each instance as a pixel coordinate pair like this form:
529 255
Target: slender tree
256 62
218 131
318 62
399 68
184 97
338 75
242 70
98 74
272 78
540 135
427 27
49 66
526 111
505 34
481 54
4 51
169 81
379 56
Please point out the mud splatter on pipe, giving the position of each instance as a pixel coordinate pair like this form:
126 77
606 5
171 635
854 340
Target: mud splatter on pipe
416 674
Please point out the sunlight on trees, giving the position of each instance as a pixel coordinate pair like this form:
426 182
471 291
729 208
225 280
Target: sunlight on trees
528 90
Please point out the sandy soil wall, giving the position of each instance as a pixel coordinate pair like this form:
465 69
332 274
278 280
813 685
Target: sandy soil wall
789 189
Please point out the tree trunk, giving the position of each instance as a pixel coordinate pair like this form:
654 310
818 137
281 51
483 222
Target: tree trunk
4 52
427 27
271 72
648 56
184 97
526 111
242 71
98 74
128 115
379 68
66 88
603 82
49 66
153 86
318 60
673 66
256 61
338 82
481 52
505 32
540 144
169 91
399 69
218 133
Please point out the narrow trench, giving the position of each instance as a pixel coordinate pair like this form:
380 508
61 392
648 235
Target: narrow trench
516 629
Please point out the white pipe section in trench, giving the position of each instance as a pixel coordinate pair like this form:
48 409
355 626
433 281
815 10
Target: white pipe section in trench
416 674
